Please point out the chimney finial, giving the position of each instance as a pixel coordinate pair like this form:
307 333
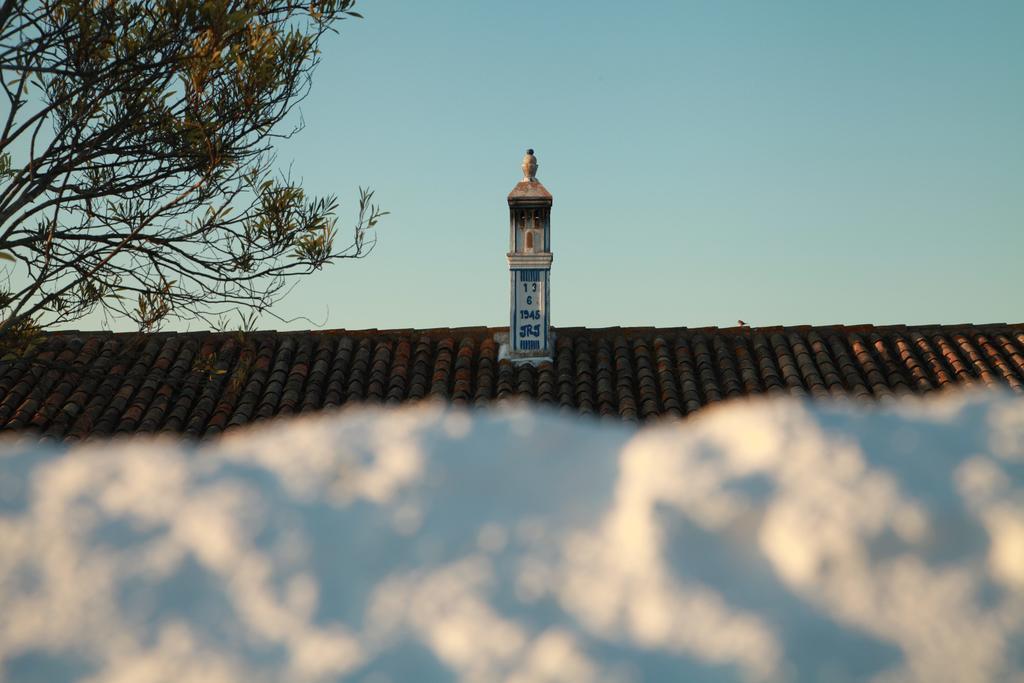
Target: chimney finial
529 167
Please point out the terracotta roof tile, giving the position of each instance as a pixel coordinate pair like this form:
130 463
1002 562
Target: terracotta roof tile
788 367
248 380
486 374
422 364
725 363
994 356
73 385
849 369
359 372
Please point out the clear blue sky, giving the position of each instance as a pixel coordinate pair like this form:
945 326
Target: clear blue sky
780 162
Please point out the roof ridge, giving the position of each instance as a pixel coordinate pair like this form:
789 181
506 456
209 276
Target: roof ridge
485 329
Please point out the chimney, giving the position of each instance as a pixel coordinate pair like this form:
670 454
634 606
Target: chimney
529 264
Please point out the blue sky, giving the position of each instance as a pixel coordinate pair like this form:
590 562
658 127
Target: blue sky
784 163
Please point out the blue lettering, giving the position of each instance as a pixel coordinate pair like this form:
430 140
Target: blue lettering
529 331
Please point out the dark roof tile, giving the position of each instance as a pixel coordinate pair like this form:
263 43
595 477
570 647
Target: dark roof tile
73 385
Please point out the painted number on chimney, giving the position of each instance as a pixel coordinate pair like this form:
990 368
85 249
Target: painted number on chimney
529 311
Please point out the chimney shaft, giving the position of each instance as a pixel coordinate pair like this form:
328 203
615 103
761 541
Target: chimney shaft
529 263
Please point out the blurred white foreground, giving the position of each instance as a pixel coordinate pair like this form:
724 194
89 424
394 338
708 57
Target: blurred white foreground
758 542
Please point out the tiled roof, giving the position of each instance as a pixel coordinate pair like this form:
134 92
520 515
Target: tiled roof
75 384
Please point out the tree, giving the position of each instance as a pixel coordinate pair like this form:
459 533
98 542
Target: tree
137 172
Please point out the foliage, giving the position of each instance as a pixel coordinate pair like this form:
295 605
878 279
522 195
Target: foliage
136 164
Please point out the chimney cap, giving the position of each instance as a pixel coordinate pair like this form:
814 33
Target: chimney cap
529 191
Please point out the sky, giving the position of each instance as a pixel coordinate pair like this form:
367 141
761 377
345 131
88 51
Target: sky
759 541
780 163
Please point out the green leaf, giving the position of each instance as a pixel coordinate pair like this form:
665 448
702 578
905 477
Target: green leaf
5 256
